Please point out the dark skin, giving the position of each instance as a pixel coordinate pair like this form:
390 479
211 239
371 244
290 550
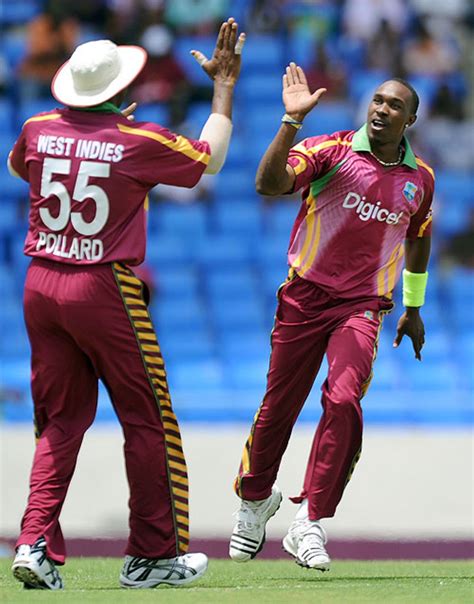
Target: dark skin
390 113
223 68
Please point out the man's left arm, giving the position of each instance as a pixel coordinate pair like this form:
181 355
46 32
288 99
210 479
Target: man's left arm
16 158
417 255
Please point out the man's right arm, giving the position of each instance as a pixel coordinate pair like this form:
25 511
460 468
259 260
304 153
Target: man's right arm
224 69
274 175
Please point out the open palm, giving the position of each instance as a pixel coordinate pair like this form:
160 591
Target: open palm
226 58
297 98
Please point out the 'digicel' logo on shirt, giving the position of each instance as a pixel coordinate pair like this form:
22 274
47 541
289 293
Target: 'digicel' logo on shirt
366 210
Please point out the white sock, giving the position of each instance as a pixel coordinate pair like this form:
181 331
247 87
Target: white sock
302 513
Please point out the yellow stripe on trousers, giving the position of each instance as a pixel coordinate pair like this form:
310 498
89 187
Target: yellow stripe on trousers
154 366
365 387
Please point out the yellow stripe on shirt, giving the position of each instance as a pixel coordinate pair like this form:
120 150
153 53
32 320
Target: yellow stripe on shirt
180 144
425 225
314 248
309 220
313 150
421 163
42 118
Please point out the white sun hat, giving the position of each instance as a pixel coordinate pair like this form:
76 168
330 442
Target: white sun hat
96 72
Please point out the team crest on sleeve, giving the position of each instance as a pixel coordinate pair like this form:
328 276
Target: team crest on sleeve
410 191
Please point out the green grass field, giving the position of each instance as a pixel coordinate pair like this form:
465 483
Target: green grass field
262 582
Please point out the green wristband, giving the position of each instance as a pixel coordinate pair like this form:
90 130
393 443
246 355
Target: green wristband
414 287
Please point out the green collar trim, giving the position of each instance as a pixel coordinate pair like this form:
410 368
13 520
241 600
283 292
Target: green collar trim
360 142
106 107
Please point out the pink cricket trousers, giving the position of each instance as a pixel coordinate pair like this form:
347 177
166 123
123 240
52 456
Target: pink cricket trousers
85 324
310 323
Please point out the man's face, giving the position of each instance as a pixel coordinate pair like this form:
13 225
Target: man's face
389 111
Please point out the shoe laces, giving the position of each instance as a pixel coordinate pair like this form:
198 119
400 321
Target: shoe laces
313 536
247 516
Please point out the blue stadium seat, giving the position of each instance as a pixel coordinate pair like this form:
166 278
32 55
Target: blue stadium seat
247 374
152 112
182 313
264 53
240 344
193 344
182 47
14 342
237 154
452 215
197 116
240 218
280 216
224 251
260 89
6 123
460 285
13 46
244 313
234 183
222 284
435 376
176 283
189 221
455 188
30 108
330 117
362 82
168 250
8 285
18 12
301 49
195 375
386 374
15 373
265 120
271 251
9 218
271 279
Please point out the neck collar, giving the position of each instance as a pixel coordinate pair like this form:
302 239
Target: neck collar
360 142
106 107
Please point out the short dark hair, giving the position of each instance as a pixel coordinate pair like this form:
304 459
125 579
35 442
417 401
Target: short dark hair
415 99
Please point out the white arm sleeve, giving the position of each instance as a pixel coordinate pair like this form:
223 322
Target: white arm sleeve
217 131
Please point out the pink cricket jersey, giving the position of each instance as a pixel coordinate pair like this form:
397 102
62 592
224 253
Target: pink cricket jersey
89 175
348 236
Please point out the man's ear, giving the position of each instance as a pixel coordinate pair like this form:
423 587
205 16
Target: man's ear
411 120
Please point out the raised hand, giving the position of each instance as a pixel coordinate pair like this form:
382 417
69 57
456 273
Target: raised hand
297 97
226 58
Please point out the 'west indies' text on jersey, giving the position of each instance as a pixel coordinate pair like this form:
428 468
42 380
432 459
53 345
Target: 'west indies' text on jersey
348 236
89 175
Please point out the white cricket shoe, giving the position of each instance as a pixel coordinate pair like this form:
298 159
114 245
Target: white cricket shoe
305 541
248 535
151 572
34 569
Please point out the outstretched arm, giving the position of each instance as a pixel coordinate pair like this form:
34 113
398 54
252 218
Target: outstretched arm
224 69
274 176
417 255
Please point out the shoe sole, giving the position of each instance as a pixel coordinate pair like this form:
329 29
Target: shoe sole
151 583
287 546
28 577
260 547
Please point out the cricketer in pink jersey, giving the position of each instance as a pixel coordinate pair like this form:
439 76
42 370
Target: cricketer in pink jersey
366 213
89 169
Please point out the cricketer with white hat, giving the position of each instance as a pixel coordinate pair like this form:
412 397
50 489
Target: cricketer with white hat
96 72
